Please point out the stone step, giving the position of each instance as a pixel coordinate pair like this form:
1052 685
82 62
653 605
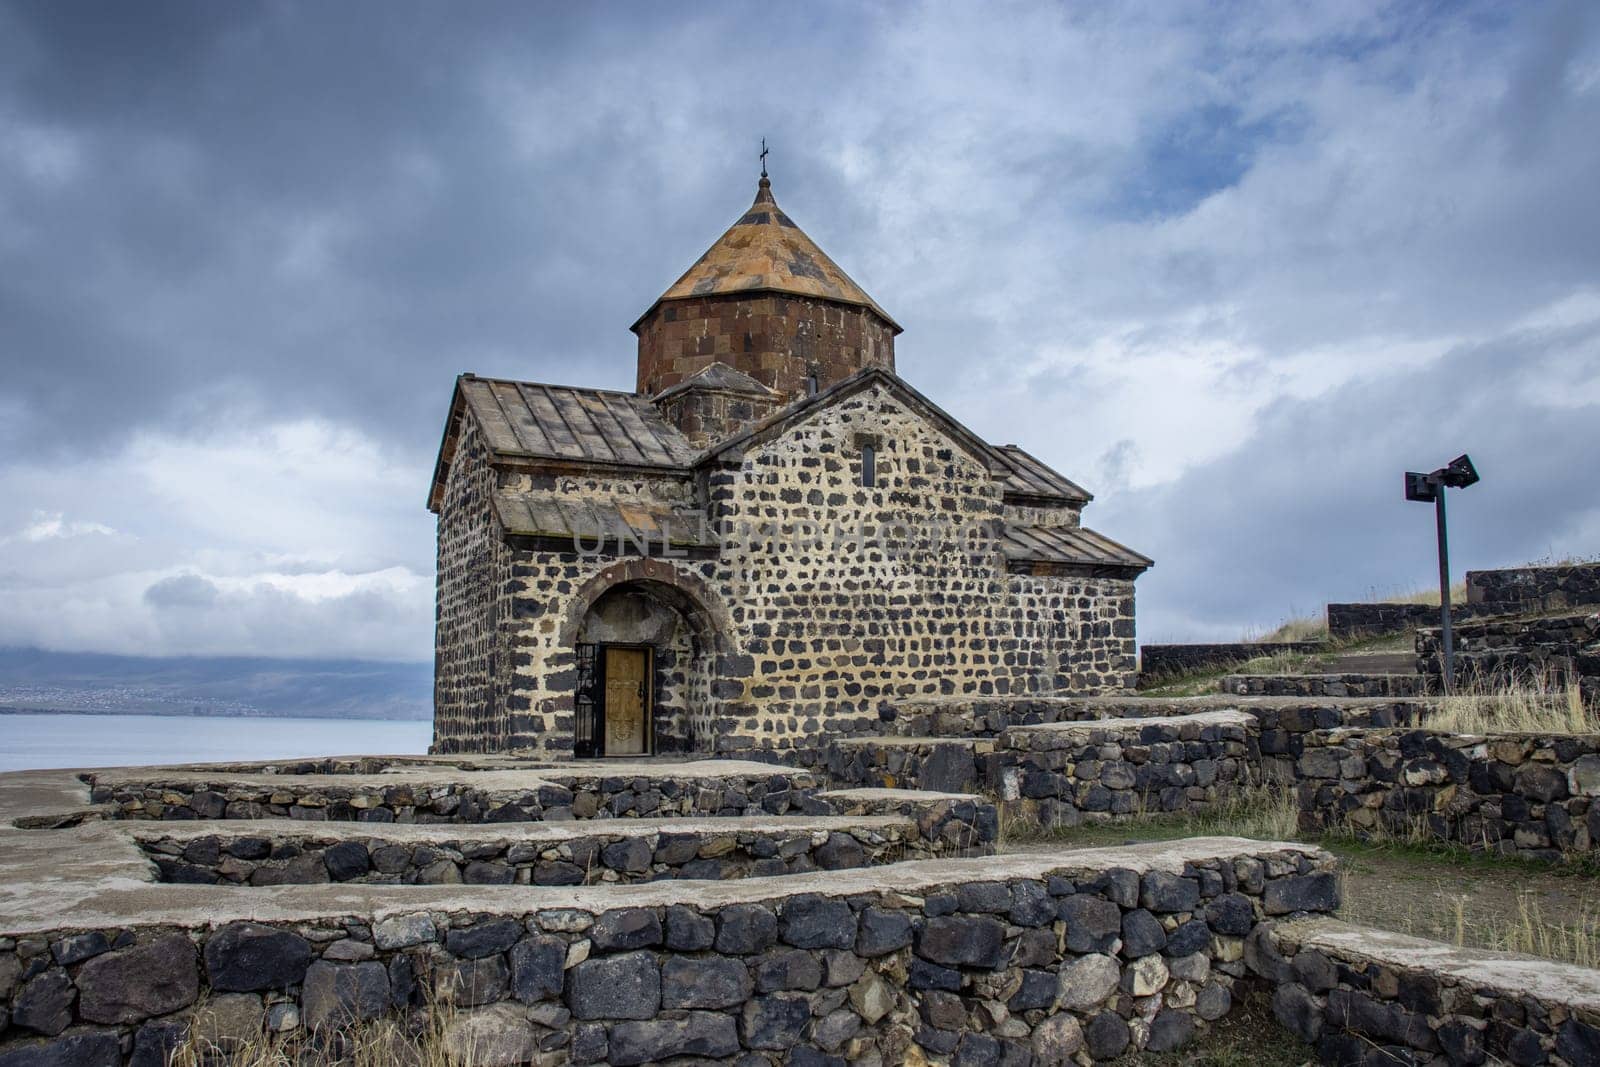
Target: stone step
988 717
286 851
1324 685
430 793
1371 662
1357 993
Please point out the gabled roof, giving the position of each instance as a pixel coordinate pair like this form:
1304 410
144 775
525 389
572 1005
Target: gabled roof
1027 476
529 420
1073 546
776 423
766 252
720 378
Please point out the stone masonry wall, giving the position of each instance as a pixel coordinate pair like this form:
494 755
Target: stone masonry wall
469 666
588 859
834 634
1534 651
1552 587
1532 796
1365 997
1160 661
1085 964
1064 774
1324 685
1347 621
309 799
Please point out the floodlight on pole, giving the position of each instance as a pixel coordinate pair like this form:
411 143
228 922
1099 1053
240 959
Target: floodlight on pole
1429 489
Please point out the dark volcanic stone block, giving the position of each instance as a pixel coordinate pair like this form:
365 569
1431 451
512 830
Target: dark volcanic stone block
134 984
617 987
538 968
250 957
963 942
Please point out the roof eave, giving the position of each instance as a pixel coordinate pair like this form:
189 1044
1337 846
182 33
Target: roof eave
867 305
441 463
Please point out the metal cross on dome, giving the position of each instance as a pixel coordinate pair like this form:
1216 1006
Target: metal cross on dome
763 157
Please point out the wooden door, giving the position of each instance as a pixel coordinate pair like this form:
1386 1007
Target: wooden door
627 701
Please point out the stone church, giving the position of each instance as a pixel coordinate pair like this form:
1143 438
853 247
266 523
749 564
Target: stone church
770 541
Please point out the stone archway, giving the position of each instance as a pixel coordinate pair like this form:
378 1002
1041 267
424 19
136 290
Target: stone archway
647 605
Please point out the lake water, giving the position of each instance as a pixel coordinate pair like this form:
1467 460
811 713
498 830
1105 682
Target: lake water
33 741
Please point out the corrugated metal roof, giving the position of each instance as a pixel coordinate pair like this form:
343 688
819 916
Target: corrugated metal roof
766 251
1074 545
583 425
546 516
1026 475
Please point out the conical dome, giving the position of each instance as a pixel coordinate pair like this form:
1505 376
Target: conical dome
767 302
766 252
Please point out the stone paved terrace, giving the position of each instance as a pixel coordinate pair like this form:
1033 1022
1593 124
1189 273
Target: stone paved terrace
951 960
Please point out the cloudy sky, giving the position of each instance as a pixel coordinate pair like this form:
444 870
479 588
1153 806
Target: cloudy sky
1232 267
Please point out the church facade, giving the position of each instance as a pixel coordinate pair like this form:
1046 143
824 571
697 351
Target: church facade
770 542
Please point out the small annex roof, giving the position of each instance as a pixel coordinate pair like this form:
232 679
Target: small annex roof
720 378
543 517
1073 546
1028 476
530 420
766 252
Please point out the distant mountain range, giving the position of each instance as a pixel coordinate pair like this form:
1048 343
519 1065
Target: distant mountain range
32 680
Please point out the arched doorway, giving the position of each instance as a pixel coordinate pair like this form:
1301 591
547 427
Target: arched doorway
646 651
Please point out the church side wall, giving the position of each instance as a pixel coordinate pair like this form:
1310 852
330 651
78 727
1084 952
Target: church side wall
1077 633
838 631
470 660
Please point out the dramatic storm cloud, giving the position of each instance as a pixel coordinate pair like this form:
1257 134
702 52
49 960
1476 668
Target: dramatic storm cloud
1233 269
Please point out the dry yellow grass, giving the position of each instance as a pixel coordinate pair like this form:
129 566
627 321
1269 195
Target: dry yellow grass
1527 705
1531 933
431 1037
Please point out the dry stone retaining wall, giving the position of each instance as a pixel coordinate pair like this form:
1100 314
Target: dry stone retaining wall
1062 774
1531 796
1095 960
317 799
1368 997
1553 648
1347 621
946 764
689 850
1552 587
1159 661
1324 685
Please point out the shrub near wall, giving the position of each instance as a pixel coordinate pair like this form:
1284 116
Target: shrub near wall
1132 949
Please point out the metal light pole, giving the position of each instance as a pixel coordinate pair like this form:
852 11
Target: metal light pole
1429 488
